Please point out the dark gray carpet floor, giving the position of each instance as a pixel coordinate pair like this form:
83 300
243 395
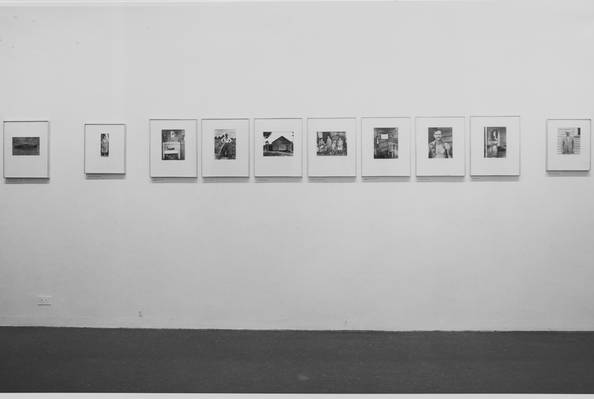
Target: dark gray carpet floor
138 360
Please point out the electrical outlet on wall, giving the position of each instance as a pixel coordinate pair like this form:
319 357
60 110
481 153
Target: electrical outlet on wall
44 300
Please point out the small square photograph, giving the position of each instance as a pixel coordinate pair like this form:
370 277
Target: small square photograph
104 144
278 144
331 144
225 142
278 147
226 147
173 144
385 146
569 140
440 142
385 143
568 145
172 147
495 145
25 146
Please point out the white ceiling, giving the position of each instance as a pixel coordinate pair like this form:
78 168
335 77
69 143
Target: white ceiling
140 2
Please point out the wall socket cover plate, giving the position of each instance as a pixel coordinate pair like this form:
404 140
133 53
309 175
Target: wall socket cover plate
44 300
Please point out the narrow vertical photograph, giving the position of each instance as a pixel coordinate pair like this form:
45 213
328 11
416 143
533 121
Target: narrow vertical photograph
104 145
278 144
225 143
173 144
440 142
569 140
495 142
385 143
25 146
105 148
331 144
495 146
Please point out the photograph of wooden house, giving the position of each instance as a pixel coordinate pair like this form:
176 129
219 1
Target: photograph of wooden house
278 143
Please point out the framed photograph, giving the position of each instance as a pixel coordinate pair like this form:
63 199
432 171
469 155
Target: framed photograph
568 144
26 149
225 147
440 146
332 147
173 147
105 148
385 147
278 147
495 145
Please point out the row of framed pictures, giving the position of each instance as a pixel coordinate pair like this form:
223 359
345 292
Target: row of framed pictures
386 147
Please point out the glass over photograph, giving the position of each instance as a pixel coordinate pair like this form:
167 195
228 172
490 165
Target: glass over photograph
225 141
104 145
569 140
331 144
278 143
495 145
440 142
25 146
385 143
173 144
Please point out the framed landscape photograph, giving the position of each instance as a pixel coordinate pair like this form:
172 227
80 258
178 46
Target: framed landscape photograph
225 147
568 144
173 147
495 146
332 147
278 147
26 149
385 147
440 146
105 148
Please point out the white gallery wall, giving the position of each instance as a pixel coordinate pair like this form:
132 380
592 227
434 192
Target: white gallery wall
390 254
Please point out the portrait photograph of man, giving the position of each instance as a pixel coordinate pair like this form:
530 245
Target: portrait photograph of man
568 140
440 142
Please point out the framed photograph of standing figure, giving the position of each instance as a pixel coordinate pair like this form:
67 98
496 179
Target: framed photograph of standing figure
26 149
385 147
105 148
440 146
495 145
278 147
332 147
173 147
568 144
225 147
